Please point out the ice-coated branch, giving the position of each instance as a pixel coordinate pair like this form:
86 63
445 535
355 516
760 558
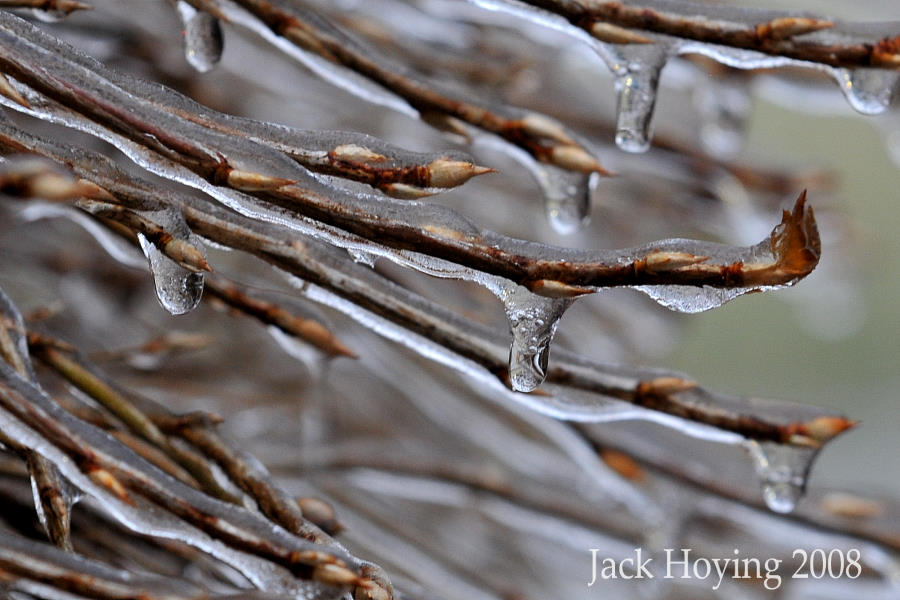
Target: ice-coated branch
49 494
99 465
784 34
794 242
24 560
244 470
306 32
229 160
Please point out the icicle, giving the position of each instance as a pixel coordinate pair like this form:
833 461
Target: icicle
868 91
636 70
178 289
202 37
783 471
532 321
567 197
724 106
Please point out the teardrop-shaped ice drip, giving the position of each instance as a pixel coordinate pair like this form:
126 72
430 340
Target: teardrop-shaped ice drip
782 470
203 39
567 197
869 91
690 299
533 321
636 68
723 105
178 289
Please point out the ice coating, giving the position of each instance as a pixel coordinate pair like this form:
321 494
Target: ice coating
688 299
782 471
533 321
48 561
178 289
549 271
793 244
202 37
335 74
742 38
306 35
150 519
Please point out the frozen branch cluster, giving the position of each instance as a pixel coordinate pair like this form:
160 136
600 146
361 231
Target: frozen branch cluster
456 451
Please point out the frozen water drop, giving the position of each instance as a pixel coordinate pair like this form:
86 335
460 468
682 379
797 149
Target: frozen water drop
868 91
690 299
203 40
178 289
533 321
782 470
636 87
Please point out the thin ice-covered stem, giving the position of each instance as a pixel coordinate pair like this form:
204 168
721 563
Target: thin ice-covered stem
303 28
244 470
125 410
48 484
114 468
783 34
789 254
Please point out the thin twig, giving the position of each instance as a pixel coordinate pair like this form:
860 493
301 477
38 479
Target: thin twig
782 35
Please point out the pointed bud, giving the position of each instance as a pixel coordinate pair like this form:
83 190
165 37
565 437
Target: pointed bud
354 153
556 289
543 126
656 262
787 27
613 34
104 478
331 574
446 173
187 255
255 182
575 158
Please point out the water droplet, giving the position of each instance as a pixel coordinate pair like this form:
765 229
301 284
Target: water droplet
203 41
868 91
533 321
636 87
782 470
178 289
